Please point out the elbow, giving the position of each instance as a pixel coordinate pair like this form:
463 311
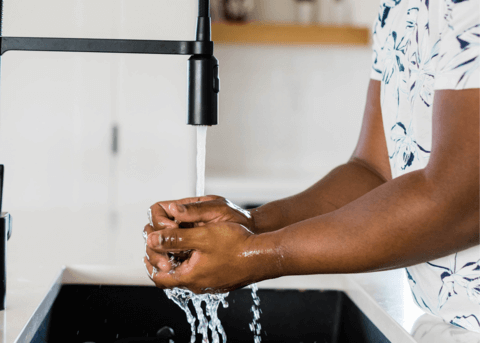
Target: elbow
457 187
454 193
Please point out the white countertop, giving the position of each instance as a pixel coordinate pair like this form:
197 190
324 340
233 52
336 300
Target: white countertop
33 268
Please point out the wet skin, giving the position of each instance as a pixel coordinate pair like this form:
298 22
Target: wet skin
356 219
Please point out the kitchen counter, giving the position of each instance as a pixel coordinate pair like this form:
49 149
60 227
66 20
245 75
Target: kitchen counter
34 269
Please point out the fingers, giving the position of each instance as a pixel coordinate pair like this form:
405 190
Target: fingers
161 261
173 280
162 216
198 212
178 240
151 270
197 199
161 279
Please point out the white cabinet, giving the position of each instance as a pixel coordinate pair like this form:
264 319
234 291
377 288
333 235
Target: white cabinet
56 117
54 143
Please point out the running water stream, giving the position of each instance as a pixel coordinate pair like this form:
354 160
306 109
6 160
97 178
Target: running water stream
212 301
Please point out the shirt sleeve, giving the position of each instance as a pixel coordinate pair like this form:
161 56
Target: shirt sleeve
459 62
377 34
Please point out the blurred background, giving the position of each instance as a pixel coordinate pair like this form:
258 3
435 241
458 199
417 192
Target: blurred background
290 107
90 141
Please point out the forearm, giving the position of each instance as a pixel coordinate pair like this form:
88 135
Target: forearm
341 186
406 221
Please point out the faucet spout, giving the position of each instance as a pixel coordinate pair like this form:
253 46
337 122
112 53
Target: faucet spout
203 88
203 78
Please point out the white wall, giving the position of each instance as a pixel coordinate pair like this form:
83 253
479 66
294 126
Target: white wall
287 114
287 111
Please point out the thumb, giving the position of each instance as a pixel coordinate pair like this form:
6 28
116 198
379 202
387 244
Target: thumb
206 212
178 240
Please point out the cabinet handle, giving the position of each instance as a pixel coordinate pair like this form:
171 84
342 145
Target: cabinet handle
115 139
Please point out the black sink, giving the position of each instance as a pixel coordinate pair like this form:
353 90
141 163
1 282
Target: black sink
107 314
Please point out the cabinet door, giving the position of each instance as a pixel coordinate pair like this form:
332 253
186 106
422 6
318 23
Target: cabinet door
54 143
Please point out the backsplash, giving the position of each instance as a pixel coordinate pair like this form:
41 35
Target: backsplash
287 111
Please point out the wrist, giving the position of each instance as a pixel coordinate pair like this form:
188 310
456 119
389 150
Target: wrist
252 225
259 220
264 257
269 217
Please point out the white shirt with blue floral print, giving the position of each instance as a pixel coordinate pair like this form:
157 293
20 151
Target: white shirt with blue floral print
421 46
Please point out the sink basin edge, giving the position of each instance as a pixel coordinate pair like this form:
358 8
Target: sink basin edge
34 322
379 317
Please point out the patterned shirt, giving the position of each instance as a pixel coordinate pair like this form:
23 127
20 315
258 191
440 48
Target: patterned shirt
421 46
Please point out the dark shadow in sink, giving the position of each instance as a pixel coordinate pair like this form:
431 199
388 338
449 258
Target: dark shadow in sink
105 314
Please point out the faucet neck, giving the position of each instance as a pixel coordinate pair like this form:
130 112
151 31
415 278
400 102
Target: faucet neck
1 17
204 8
203 21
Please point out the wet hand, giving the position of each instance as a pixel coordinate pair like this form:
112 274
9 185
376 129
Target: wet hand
161 216
222 256
198 211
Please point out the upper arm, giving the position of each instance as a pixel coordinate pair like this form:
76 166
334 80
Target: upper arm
453 167
454 162
371 147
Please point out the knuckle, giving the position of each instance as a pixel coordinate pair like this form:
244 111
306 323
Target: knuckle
163 264
167 240
192 206
154 210
174 240
160 209
162 239
171 240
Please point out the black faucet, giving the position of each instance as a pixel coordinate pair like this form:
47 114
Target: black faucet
5 233
203 79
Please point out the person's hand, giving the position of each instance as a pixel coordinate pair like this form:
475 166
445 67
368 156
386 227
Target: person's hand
222 256
198 211
188 213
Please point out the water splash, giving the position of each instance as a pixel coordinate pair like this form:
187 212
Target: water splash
182 297
255 326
